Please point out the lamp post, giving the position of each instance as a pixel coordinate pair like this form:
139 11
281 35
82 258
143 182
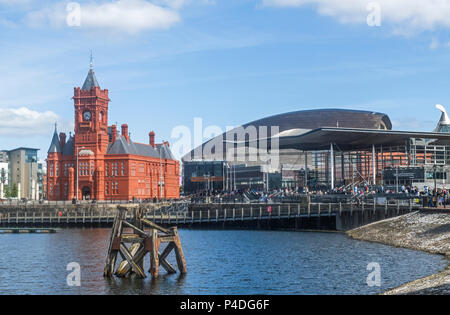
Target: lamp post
78 168
435 189
160 173
31 178
396 180
269 160
223 176
207 182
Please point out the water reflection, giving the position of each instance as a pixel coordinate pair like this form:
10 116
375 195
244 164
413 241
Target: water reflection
218 262
148 286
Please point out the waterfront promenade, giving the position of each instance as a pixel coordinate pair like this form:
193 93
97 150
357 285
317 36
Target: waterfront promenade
287 216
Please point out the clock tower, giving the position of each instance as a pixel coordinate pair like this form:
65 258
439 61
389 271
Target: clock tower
98 163
91 115
91 137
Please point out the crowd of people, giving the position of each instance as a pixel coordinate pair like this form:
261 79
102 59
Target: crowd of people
427 196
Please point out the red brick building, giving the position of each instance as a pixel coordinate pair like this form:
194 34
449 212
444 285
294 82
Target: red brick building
110 165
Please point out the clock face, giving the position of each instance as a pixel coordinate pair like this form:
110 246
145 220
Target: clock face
87 115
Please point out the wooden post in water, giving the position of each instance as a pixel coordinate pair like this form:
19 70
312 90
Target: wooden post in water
133 245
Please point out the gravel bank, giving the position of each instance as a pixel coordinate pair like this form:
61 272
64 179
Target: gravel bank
425 231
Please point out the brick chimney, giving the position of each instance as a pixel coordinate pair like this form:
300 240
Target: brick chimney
152 138
125 132
62 139
113 133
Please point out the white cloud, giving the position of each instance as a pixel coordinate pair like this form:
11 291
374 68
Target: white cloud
406 16
129 16
24 121
181 3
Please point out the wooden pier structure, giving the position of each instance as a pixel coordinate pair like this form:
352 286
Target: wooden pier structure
133 242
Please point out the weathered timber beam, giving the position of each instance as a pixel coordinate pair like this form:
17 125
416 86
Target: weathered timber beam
164 263
166 239
136 229
111 256
167 266
138 252
154 254
156 226
179 252
134 266
132 238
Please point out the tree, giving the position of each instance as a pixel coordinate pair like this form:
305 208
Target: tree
6 191
14 191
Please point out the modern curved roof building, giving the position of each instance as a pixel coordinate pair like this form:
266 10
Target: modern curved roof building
320 147
317 118
297 123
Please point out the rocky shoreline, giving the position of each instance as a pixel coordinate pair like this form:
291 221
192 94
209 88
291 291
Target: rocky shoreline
424 230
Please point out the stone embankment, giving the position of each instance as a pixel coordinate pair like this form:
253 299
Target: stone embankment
426 230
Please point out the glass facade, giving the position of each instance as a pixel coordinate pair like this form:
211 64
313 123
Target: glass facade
218 176
202 175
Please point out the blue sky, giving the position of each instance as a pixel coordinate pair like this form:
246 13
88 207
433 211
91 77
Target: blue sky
226 61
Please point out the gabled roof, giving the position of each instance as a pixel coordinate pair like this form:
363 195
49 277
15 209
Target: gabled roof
165 152
91 81
55 146
121 146
68 149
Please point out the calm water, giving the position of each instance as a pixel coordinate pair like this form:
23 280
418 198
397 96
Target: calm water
219 262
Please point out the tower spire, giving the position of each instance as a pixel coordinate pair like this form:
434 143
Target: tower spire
91 80
55 146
